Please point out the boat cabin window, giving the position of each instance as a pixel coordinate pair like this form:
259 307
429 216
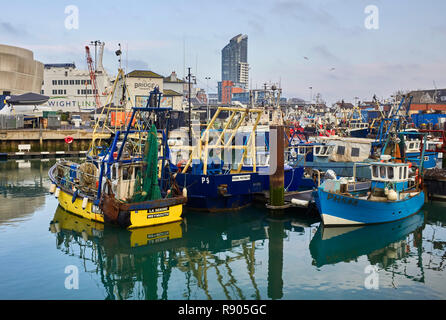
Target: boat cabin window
411 145
405 173
375 172
401 173
126 173
390 172
355 152
341 150
382 171
114 172
317 150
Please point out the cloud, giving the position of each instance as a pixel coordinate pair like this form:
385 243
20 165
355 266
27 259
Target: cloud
9 29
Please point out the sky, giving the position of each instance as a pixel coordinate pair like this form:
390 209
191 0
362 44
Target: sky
322 44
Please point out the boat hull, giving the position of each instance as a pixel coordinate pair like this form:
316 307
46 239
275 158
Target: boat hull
227 192
341 210
143 216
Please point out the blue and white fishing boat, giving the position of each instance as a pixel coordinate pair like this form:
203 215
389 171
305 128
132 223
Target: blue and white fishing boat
392 195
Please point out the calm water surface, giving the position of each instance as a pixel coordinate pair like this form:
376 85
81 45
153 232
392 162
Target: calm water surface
244 255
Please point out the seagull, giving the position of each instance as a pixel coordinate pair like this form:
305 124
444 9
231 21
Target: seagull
306 58
332 69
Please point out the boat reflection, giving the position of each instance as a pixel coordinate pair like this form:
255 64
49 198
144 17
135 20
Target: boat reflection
382 243
228 248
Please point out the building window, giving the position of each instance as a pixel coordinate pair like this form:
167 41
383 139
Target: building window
42 92
54 82
71 82
65 82
66 73
59 82
88 81
78 82
78 92
65 92
54 91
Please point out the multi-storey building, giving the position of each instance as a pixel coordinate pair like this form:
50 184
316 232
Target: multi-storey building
234 58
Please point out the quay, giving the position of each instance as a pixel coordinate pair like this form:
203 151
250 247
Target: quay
33 143
42 155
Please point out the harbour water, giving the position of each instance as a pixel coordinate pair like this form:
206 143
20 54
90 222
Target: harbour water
231 256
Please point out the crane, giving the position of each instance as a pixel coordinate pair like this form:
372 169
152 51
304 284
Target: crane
93 77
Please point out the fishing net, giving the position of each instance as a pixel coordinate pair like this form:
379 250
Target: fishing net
146 185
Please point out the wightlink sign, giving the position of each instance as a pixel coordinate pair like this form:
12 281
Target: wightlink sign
62 104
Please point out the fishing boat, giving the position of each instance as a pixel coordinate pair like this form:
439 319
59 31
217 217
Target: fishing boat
340 155
392 195
127 184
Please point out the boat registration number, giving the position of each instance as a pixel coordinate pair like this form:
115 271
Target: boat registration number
241 178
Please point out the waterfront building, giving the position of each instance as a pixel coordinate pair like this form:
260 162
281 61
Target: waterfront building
234 62
19 72
227 89
71 89
174 83
141 82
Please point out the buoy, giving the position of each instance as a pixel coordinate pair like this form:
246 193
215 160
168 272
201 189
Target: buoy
52 188
300 203
57 193
84 203
392 195
185 192
386 191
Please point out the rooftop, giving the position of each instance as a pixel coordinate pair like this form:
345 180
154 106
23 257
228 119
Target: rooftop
144 74
168 92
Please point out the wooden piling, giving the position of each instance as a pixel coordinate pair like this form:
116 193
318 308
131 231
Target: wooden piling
276 179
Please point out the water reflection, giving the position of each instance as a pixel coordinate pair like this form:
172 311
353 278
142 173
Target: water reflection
19 180
382 243
210 252
242 255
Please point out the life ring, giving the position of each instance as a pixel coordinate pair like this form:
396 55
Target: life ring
180 163
69 139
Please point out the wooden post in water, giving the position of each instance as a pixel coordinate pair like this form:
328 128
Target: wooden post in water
276 179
